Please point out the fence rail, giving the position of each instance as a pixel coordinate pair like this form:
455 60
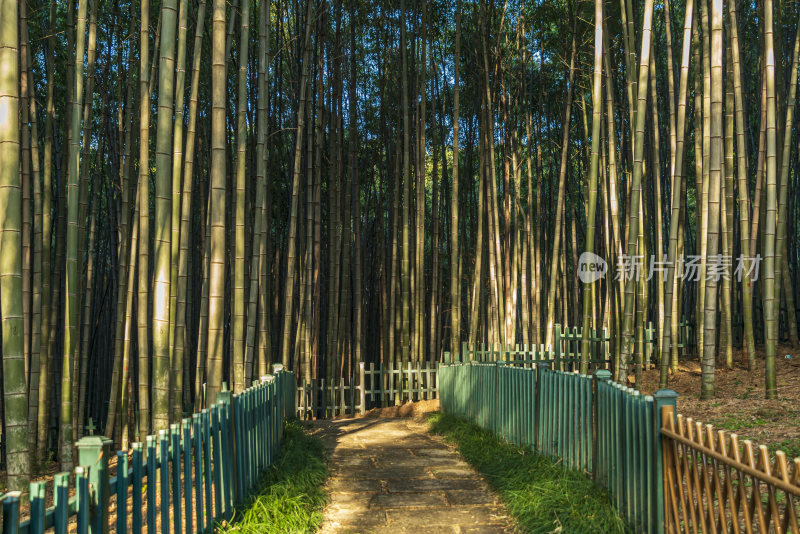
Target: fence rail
182 480
375 387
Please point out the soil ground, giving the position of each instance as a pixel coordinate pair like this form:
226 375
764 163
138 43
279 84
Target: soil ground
739 405
410 409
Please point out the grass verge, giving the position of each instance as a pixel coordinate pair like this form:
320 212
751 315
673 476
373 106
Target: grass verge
290 499
539 494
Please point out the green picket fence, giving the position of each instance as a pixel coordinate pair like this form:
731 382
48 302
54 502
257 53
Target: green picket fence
629 457
565 416
590 423
537 407
182 480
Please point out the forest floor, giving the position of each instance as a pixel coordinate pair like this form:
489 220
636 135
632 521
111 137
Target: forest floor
739 405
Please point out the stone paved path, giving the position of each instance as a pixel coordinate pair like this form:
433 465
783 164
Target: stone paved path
390 475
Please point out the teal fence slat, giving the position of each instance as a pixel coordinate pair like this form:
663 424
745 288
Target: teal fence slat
186 448
82 485
37 508
11 512
216 458
151 484
136 485
175 458
198 470
122 492
164 480
237 439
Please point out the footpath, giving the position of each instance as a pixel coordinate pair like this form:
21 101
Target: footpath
390 475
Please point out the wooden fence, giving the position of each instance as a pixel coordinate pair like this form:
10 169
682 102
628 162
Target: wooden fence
374 387
182 480
714 483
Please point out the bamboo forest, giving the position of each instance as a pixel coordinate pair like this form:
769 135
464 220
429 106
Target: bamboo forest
194 190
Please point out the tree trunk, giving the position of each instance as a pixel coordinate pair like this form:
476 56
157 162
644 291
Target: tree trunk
72 305
15 401
713 221
455 281
292 245
405 274
142 306
217 207
597 117
48 324
636 185
163 217
744 199
559 207
670 338
771 296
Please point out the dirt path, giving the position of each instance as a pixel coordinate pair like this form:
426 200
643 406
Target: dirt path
390 475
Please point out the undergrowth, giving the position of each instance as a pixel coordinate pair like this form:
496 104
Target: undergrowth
539 494
290 498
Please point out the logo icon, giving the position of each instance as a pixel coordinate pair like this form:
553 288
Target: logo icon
591 268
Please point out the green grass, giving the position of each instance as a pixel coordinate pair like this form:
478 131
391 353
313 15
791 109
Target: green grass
737 422
745 426
789 446
539 494
291 498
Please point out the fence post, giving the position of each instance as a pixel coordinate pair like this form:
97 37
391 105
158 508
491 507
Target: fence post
11 512
175 436
37 507
363 388
93 451
280 397
662 397
540 367
499 397
600 375
324 395
269 412
557 345
236 461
